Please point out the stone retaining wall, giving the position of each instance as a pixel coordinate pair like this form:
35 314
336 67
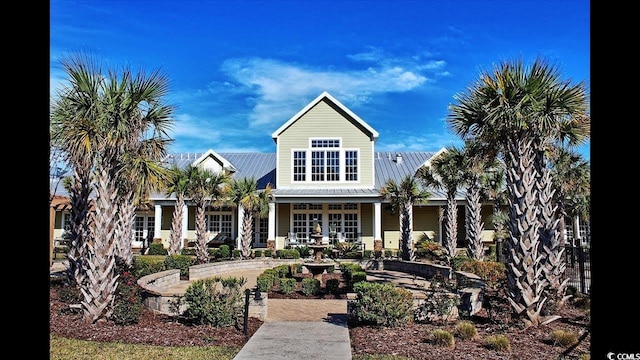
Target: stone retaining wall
425 270
161 299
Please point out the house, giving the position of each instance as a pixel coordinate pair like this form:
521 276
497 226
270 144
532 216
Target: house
325 171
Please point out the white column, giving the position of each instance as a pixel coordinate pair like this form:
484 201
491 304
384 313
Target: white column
377 221
272 222
239 237
576 231
157 222
185 223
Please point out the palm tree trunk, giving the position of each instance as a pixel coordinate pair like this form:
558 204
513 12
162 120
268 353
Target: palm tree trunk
99 288
474 225
81 225
247 233
202 255
126 222
451 225
526 285
406 231
176 226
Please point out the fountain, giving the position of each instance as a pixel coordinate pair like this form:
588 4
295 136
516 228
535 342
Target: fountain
317 267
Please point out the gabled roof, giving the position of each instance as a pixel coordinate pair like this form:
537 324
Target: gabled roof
321 97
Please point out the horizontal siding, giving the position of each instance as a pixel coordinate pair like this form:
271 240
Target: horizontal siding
322 121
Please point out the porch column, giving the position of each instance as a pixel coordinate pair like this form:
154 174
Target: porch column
157 223
576 231
239 237
272 222
377 221
185 223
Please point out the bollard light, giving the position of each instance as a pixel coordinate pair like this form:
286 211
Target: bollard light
258 294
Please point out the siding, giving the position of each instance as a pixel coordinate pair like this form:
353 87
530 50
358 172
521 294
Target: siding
323 121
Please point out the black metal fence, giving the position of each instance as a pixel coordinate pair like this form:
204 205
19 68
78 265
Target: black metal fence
577 261
578 267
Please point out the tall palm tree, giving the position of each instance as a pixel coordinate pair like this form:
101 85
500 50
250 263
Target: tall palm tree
478 167
446 172
244 194
177 185
521 110
401 198
203 188
100 116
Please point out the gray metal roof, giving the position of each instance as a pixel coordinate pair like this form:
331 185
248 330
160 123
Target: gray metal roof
262 167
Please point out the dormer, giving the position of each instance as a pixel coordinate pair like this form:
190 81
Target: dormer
213 161
325 145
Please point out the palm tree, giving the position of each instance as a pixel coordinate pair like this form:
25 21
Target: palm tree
177 185
478 167
521 111
244 194
446 172
402 197
100 117
203 188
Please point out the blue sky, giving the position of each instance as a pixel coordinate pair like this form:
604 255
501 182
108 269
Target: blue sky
239 69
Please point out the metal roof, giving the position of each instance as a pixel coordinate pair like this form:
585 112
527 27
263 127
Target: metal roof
262 167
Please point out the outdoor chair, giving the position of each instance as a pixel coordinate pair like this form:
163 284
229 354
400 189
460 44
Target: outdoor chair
292 240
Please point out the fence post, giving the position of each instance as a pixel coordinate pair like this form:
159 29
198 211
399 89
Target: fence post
247 292
581 267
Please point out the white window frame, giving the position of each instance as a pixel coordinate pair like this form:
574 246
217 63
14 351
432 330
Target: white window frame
308 163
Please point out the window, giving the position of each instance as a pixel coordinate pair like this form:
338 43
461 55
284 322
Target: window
143 228
340 218
219 222
326 162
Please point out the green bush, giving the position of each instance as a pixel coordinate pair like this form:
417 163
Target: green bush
443 338
490 271
225 251
257 253
382 304
332 286
287 285
236 254
304 251
182 262
268 253
157 249
189 251
264 282
127 307
498 343
356 277
283 270
288 254
388 253
215 301
145 265
310 286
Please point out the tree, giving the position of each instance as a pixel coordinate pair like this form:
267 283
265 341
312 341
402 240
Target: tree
401 198
524 110
446 172
177 185
478 169
244 194
203 188
97 120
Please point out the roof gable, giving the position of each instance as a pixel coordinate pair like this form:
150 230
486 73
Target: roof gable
325 95
214 162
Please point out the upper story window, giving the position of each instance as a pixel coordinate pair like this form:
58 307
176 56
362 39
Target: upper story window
325 161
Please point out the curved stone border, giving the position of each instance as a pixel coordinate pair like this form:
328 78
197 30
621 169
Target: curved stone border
158 296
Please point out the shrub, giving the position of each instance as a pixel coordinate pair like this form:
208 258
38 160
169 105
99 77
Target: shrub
356 277
268 253
388 253
431 251
367 254
381 304
258 253
288 254
310 286
304 251
563 338
332 286
157 249
182 262
490 271
215 301
145 265
189 251
498 343
283 270
264 282
443 338
287 285
225 251
236 254
128 296
466 330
